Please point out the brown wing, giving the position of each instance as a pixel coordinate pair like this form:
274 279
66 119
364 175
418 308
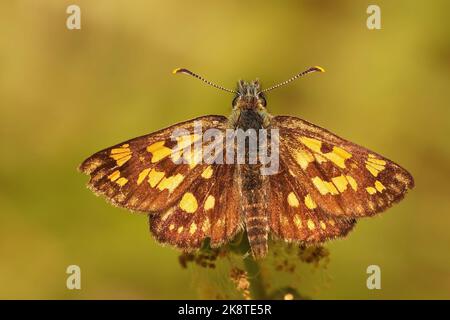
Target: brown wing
209 208
294 216
139 174
342 178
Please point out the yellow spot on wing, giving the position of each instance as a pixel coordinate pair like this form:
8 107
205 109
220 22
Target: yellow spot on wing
188 203
158 151
338 156
122 181
311 143
171 227
193 228
377 161
309 202
207 173
374 165
292 200
320 185
311 225
320 159
210 202
123 160
180 229
154 177
142 176
374 160
342 153
303 158
114 176
340 182
371 190
121 155
352 182
170 183
123 149
323 225
324 187
372 170
379 186
155 146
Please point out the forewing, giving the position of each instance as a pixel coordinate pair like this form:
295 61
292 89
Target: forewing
342 178
140 174
209 208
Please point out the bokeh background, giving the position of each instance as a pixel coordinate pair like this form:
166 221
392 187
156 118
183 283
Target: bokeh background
67 94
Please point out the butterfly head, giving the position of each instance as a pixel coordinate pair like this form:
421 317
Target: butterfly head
249 96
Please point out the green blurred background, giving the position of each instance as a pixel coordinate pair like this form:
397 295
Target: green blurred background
67 94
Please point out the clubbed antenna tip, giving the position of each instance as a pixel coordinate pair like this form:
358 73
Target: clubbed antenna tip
180 70
318 68
298 75
186 71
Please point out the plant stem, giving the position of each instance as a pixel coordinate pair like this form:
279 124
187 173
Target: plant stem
255 278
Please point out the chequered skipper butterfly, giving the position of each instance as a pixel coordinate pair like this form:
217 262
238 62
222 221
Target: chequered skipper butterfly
323 185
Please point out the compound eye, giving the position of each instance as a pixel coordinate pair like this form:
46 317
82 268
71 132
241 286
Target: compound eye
264 102
263 99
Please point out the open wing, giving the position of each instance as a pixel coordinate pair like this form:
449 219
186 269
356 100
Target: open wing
139 174
209 208
340 177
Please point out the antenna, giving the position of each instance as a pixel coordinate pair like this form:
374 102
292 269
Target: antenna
301 74
186 71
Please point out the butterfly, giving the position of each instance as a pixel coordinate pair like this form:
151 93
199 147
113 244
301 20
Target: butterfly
323 183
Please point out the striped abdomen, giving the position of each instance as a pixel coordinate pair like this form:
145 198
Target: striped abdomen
254 207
